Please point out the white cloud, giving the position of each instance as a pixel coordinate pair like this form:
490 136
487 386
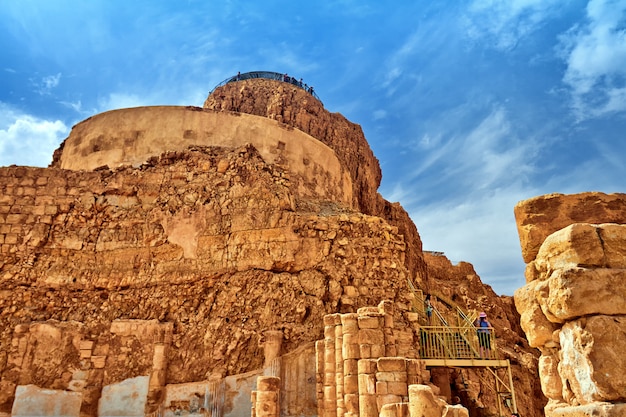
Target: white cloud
505 23
472 182
595 54
480 230
27 140
47 84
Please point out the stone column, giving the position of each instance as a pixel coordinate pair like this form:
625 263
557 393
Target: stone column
386 309
391 381
341 408
371 336
350 353
267 397
273 340
319 377
330 389
367 388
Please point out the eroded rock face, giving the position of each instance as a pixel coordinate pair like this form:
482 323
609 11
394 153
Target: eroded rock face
572 307
223 253
294 107
539 217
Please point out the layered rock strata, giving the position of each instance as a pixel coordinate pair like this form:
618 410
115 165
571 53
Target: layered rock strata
572 307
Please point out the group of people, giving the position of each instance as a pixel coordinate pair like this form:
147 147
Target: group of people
298 83
284 77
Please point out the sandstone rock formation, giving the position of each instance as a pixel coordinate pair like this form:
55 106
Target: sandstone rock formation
572 307
170 256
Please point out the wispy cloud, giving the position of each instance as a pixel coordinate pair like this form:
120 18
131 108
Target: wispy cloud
595 54
45 85
504 23
462 193
28 140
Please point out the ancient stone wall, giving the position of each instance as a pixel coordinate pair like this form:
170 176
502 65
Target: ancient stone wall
572 307
295 107
132 136
210 240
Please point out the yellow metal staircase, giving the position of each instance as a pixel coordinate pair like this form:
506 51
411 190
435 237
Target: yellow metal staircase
450 339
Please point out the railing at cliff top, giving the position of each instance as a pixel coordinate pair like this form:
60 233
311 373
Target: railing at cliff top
270 76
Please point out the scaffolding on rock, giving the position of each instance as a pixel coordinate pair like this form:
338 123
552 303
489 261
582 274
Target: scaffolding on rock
449 338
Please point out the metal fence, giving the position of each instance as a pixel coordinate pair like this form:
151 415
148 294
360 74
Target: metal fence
443 342
270 76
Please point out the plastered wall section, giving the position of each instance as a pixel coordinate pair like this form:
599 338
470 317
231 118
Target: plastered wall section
132 136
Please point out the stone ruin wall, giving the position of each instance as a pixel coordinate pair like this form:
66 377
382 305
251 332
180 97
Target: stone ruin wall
132 136
294 107
573 307
222 252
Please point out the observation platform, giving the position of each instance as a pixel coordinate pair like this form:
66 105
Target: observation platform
269 75
449 338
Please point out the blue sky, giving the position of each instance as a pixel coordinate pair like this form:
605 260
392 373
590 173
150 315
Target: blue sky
470 106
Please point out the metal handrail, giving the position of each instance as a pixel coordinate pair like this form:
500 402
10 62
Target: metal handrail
445 342
270 76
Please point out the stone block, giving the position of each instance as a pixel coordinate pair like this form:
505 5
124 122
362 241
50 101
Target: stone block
351 367
367 366
398 388
391 364
381 387
98 361
592 360
367 322
351 384
570 289
377 351
371 337
351 403
350 323
391 376
365 351
31 400
127 398
367 384
536 325
549 377
368 406
539 217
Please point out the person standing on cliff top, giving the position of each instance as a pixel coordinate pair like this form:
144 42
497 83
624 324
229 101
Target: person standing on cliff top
484 335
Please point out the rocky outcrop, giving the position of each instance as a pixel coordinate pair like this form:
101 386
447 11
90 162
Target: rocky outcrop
539 217
294 107
572 307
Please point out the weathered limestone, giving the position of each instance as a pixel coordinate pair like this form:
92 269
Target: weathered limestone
539 217
31 400
127 398
572 307
266 398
